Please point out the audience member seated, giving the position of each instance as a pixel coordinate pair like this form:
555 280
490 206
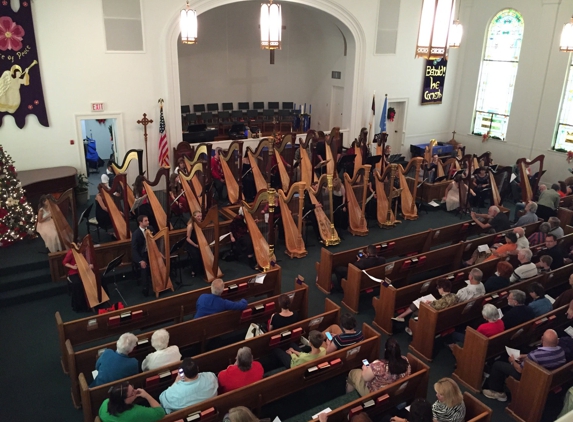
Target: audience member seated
548 201
242 414
538 237
420 411
212 303
344 335
369 260
549 355
190 387
285 316
499 250
565 297
555 227
540 304
475 287
447 299
379 373
114 365
119 407
163 354
526 269
450 406
519 313
544 264
522 242
293 356
553 251
529 217
494 221
500 279
243 372
493 325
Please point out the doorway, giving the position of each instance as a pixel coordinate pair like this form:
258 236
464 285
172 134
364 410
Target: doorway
395 128
336 106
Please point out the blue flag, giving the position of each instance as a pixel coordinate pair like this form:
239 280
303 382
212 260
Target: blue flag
383 116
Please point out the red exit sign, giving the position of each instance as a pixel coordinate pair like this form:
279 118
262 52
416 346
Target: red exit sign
97 106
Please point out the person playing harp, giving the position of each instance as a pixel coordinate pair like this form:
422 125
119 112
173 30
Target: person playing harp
52 226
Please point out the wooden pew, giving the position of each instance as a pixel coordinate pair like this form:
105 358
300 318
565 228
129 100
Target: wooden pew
106 252
393 299
404 390
476 411
564 214
478 349
173 308
266 390
217 360
412 244
432 323
401 271
529 394
190 333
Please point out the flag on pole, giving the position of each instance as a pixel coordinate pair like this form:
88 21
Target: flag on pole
163 148
383 116
371 122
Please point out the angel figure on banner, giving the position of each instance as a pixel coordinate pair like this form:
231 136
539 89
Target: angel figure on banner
10 83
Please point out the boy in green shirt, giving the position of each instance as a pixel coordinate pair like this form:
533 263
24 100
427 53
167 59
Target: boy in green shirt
316 351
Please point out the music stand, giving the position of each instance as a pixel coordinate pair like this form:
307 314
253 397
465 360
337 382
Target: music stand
111 266
375 159
173 255
345 162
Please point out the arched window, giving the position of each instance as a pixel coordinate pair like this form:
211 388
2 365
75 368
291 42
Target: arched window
498 72
564 136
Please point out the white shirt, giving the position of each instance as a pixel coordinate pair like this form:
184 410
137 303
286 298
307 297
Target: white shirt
523 272
470 291
161 358
522 243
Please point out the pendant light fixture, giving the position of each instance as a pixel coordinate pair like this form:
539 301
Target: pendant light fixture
566 42
188 24
434 30
271 27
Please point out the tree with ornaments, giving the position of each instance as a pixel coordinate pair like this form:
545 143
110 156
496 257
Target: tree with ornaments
17 218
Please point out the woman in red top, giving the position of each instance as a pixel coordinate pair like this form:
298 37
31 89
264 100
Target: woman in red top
79 303
493 326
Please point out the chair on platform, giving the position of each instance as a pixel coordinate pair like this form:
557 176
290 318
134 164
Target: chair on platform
225 122
227 107
198 108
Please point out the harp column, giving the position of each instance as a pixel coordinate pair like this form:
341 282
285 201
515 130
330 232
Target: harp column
272 198
334 239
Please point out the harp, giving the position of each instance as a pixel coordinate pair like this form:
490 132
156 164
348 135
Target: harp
530 184
199 180
407 196
499 182
283 173
306 170
159 260
231 163
358 159
323 195
132 154
384 214
484 160
264 251
291 206
210 259
84 256
356 190
189 188
428 150
259 164
332 151
119 218
381 139
59 209
451 166
156 206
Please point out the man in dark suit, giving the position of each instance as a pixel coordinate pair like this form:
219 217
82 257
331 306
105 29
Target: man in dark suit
364 261
139 251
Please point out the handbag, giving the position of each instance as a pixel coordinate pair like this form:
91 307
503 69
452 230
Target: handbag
254 330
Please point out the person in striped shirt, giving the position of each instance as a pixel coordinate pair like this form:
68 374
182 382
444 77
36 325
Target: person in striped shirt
549 355
527 269
450 406
345 335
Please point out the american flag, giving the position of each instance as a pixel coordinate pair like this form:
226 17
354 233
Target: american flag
163 148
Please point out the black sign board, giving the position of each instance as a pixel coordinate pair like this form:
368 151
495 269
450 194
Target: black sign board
434 80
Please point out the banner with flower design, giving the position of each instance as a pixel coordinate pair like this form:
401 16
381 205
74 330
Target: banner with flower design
21 91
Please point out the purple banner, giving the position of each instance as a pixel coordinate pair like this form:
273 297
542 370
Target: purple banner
20 81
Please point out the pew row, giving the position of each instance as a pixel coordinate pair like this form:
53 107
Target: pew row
173 308
266 390
529 394
393 299
477 348
189 333
378 403
432 323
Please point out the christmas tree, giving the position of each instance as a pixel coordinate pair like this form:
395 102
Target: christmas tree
17 218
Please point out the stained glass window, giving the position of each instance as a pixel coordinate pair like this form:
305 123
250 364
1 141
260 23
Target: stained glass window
498 72
564 136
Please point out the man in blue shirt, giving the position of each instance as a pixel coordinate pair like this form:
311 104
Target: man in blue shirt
114 365
212 303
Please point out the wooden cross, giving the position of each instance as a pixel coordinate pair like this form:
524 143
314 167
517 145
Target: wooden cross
145 121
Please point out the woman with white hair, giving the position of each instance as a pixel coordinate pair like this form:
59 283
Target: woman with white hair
493 325
114 365
163 354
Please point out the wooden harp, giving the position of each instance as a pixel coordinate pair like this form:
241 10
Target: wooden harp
499 182
381 139
331 150
529 185
119 218
210 260
384 214
132 154
287 148
84 256
264 251
189 187
306 171
159 210
322 194
202 153
231 163
428 150
291 206
254 158
65 202
484 160
159 260
356 191
451 166
408 197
